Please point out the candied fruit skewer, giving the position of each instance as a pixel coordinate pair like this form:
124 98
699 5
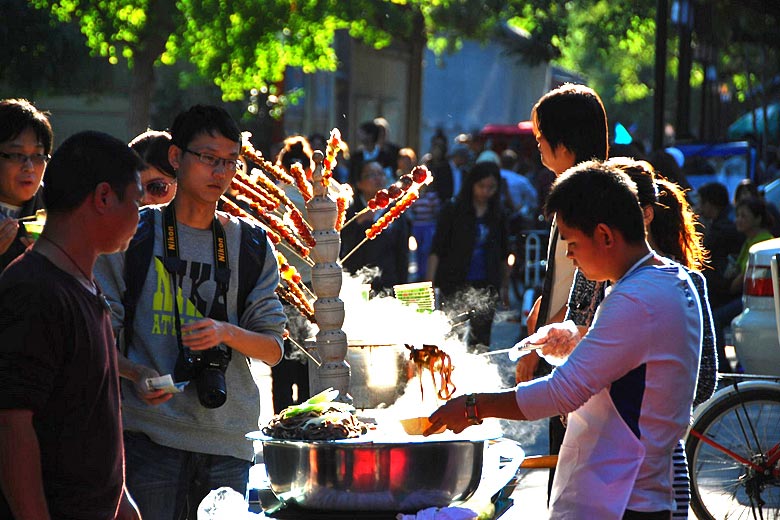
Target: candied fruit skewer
269 168
290 274
247 190
286 233
298 292
302 227
391 214
287 295
275 235
385 220
419 177
303 185
341 207
265 186
334 146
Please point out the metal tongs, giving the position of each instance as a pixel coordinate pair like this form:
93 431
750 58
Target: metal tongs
523 346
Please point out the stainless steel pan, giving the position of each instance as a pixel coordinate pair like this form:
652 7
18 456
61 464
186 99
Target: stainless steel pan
373 475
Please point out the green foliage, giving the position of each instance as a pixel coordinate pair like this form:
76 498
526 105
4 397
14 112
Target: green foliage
246 44
241 45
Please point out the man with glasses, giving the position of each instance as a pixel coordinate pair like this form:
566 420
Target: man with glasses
25 144
196 319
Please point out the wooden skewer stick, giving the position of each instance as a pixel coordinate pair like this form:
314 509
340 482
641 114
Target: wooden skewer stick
356 215
293 251
302 349
344 259
306 288
539 461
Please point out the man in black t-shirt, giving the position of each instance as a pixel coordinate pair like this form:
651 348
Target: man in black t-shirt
61 452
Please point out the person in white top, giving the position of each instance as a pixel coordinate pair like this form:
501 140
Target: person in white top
628 384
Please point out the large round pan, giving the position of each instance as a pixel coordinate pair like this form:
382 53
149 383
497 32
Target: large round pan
365 475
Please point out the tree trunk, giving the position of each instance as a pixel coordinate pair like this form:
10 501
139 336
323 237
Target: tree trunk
141 89
659 92
159 25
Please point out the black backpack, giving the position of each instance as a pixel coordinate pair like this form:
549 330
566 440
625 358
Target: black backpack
138 258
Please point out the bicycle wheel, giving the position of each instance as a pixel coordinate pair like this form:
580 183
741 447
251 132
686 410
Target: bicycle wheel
748 424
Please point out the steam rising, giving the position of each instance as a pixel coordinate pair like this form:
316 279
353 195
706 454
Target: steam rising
386 321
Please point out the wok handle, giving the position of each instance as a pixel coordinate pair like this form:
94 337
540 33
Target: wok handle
539 461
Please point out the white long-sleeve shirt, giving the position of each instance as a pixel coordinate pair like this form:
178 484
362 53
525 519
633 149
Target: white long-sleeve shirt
628 389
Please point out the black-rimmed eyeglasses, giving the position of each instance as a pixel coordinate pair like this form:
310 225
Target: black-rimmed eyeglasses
214 161
37 159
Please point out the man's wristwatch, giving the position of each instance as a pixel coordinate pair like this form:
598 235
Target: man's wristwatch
472 412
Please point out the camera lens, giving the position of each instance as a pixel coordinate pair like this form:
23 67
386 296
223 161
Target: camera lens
212 390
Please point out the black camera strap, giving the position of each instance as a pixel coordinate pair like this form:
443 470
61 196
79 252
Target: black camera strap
176 267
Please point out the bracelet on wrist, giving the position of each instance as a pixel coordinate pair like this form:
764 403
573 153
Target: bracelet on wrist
472 412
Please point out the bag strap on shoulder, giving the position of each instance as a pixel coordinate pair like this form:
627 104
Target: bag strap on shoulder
138 258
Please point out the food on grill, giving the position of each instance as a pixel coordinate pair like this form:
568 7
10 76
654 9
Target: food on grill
320 418
436 361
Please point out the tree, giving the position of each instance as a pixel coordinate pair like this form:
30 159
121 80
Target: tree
248 44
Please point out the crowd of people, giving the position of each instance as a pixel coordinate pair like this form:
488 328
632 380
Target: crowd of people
137 276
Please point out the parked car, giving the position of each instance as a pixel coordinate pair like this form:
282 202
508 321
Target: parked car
755 330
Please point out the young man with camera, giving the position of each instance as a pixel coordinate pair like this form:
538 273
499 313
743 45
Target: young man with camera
195 315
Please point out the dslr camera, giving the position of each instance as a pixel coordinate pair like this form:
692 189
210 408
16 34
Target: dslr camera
207 369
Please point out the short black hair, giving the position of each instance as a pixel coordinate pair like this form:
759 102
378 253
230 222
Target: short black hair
17 115
593 193
574 116
371 129
716 193
82 162
200 119
153 146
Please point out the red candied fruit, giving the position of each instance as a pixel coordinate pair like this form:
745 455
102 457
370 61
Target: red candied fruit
382 198
406 182
419 175
296 278
394 191
372 204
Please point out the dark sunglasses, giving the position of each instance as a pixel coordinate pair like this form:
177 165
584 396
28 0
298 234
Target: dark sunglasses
159 187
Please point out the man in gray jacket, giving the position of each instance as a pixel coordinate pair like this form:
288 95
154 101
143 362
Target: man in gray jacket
189 323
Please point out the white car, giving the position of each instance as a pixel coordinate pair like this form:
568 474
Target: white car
755 329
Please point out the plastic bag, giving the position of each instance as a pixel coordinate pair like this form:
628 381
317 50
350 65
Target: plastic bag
225 504
554 342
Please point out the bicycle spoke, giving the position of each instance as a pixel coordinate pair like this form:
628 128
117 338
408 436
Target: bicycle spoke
724 487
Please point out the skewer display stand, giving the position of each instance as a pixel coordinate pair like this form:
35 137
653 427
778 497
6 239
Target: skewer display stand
331 341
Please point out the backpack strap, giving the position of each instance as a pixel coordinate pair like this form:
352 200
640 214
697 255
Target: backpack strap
251 260
137 260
